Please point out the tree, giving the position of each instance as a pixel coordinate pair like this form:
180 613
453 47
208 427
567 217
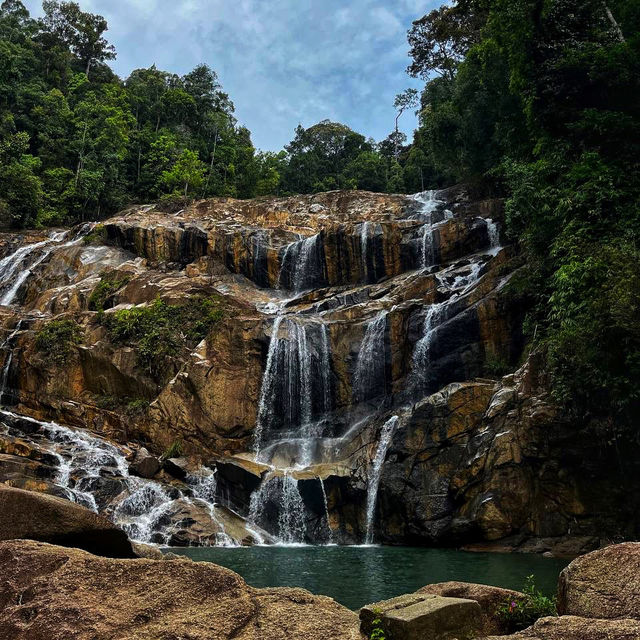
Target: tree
440 40
405 100
187 173
80 31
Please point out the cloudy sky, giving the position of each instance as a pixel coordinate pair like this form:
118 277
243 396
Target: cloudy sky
283 62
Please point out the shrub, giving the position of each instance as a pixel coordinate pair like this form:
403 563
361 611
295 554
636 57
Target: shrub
523 612
174 451
136 407
98 235
108 285
377 631
56 340
160 331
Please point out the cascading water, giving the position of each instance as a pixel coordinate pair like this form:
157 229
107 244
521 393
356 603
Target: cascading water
296 385
375 472
429 203
279 494
95 473
8 347
295 395
369 373
326 511
22 262
422 351
302 265
493 232
364 248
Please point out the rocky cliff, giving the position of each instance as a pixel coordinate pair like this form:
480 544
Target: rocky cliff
332 361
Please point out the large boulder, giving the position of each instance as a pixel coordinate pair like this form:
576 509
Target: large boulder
602 584
489 598
54 593
37 516
574 628
422 617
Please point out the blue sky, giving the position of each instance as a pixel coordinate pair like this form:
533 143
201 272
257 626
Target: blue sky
283 62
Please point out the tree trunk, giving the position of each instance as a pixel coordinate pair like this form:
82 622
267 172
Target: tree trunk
614 23
88 67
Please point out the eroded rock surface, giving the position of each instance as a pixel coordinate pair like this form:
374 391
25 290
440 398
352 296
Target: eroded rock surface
602 584
53 593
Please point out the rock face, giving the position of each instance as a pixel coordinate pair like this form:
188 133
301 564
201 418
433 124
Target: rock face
574 628
53 593
342 313
489 598
25 514
422 616
602 584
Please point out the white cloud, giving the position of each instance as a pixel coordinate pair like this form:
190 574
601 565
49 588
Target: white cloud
282 61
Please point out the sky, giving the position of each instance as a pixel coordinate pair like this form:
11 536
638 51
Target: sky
282 62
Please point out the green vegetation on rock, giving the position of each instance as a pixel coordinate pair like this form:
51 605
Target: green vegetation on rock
56 340
520 613
160 331
109 284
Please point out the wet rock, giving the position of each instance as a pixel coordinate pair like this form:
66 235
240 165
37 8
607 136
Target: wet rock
602 584
420 616
144 464
25 514
67 592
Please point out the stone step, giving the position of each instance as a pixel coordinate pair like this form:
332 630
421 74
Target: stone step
423 617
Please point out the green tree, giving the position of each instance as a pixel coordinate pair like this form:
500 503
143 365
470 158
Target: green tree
187 173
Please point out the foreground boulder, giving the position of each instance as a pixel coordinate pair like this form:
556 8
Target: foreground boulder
574 628
602 584
489 598
422 617
37 516
54 593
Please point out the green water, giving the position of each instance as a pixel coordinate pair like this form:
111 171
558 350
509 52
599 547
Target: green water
356 576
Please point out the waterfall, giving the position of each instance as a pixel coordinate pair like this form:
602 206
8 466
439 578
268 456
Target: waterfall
87 463
422 350
428 253
370 366
326 511
364 249
493 232
22 263
296 385
302 266
375 472
429 204
205 485
8 347
280 492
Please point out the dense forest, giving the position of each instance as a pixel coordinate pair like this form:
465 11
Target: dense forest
535 101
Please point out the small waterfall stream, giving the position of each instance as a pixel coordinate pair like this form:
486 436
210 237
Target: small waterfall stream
302 264
8 347
369 373
375 472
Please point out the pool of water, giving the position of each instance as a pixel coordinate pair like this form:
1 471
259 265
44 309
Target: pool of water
355 576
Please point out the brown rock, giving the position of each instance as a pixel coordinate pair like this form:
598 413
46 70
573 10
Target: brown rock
144 465
602 584
574 628
53 593
25 514
489 598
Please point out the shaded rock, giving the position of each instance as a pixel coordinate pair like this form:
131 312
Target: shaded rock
26 514
422 616
489 598
53 593
602 584
574 628
144 464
